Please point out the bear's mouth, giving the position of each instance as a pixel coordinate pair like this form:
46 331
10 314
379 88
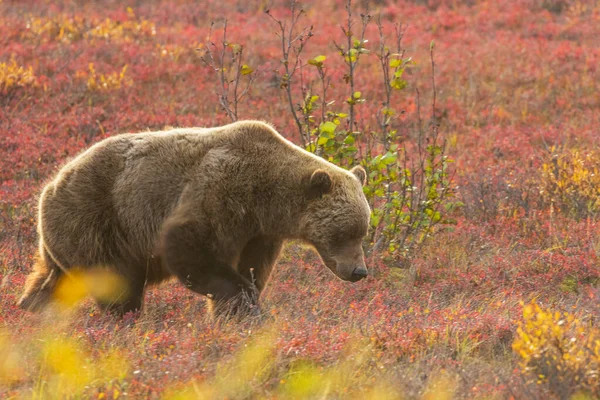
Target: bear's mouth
353 278
358 274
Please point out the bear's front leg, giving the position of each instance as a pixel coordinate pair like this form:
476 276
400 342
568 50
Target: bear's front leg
187 251
258 258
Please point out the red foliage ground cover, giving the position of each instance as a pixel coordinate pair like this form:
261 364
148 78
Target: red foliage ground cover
514 79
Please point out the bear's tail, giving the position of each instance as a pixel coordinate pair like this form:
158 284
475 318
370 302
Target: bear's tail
40 284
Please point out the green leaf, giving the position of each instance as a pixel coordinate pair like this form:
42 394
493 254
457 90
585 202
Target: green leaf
389 158
375 220
349 140
356 95
351 56
246 70
317 61
388 111
327 127
434 150
395 63
398 83
327 135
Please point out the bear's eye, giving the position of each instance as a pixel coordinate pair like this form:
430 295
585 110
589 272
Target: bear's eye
351 233
357 231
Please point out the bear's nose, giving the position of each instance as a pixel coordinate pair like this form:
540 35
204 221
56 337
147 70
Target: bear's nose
359 273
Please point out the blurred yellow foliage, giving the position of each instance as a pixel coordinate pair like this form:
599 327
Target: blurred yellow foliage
68 29
131 28
346 378
100 283
13 76
582 9
66 364
571 181
172 51
441 387
60 28
11 363
104 82
237 378
68 369
557 349
254 366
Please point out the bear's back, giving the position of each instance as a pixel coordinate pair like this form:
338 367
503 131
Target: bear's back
110 201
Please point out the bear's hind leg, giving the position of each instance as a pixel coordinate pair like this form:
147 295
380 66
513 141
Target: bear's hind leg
40 283
128 298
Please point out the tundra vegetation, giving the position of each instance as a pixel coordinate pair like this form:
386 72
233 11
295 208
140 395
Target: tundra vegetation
477 122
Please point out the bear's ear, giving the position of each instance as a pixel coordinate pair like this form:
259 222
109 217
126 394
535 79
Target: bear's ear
360 174
320 184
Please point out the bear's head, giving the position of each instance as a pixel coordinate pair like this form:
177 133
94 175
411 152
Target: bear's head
337 220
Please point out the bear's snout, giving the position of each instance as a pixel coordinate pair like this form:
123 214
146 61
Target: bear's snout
358 274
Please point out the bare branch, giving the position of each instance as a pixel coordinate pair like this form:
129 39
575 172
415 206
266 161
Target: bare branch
352 53
292 47
227 62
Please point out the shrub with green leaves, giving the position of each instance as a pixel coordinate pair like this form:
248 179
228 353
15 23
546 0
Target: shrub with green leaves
409 187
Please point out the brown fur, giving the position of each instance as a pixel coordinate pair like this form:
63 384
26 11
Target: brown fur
209 206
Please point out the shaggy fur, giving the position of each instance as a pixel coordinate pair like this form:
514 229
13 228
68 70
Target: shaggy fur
209 206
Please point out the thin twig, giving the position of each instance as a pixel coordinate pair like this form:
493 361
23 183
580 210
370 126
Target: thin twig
229 91
292 42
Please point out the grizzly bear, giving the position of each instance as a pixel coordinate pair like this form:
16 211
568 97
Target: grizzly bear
211 207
